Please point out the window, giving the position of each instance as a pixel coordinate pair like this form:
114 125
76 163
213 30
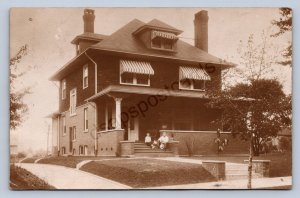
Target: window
73 133
163 40
192 84
63 89
156 42
85 76
73 102
168 44
199 84
162 43
135 79
127 78
81 150
85 150
63 150
64 126
86 121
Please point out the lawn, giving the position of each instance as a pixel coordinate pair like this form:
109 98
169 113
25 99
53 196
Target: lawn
30 160
70 161
281 164
141 173
21 179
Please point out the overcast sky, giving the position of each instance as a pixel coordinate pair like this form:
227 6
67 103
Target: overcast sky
49 31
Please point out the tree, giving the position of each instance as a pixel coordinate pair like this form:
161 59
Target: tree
284 23
17 107
256 107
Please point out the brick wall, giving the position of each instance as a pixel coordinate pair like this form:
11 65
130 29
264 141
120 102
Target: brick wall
204 143
109 143
75 80
82 137
166 73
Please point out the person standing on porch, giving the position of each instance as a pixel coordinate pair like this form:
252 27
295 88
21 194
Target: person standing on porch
163 140
148 139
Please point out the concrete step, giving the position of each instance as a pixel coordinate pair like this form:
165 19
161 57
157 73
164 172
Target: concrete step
154 154
151 151
239 176
142 148
233 171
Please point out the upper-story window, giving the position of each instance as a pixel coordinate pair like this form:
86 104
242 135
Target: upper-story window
192 78
85 76
163 40
63 89
135 72
73 99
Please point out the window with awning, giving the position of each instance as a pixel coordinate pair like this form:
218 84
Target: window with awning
192 78
193 73
135 72
163 40
136 67
166 35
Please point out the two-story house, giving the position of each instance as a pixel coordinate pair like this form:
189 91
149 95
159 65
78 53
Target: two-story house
140 79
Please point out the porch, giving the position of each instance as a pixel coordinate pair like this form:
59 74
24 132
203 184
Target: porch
125 117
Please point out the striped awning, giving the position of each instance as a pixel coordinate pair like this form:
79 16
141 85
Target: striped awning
193 73
166 35
136 67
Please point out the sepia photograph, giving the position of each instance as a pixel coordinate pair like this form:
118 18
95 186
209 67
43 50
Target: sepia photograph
150 98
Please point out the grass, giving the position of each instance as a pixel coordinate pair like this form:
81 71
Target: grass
30 160
281 163
141 173
70 161
21 179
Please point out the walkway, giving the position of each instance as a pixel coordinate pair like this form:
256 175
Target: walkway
261 183
69 178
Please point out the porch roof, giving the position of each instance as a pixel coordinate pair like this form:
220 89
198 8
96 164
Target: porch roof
148 91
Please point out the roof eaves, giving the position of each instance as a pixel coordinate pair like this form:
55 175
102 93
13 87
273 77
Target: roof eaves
54 76
223 63
176 31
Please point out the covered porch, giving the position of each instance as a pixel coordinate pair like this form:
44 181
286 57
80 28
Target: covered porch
135 111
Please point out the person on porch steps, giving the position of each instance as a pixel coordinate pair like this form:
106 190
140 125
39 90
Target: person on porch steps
148 139
163 140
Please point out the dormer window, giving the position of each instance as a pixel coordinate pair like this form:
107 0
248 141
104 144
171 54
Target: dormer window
163 40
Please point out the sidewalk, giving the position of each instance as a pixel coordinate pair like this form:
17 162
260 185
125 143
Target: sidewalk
68 178
260 183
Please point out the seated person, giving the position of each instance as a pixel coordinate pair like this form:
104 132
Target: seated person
148 139
163 140
154 145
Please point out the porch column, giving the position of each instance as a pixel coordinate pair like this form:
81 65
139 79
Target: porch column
118 113
106 117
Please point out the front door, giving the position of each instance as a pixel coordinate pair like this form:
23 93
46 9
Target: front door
133 129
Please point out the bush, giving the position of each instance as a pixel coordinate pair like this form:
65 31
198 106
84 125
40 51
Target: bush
285 144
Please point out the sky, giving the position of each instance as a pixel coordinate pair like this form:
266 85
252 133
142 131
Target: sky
49 31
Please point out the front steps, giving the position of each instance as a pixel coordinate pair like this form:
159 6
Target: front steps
142 150
238 171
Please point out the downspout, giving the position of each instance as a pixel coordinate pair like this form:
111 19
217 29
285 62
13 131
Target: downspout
58 134
96 81
96 90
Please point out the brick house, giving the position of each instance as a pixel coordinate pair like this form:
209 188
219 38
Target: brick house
142 78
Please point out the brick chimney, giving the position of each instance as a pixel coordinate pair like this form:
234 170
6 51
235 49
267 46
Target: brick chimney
88 20
201 30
